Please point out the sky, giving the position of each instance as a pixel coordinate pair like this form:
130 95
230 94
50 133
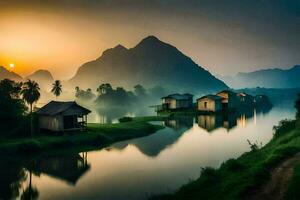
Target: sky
223 36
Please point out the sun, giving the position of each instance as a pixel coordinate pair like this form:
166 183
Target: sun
11 66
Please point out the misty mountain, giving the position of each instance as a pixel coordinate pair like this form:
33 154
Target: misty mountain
43 77
150 63
5 74
268 78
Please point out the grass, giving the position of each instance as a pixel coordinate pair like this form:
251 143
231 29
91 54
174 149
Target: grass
236 178
98 135
293 192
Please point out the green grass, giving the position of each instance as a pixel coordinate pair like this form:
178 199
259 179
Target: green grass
97 136
293 192
237 177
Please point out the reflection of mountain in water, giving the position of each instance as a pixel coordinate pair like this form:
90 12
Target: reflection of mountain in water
15 172
154 144
228 120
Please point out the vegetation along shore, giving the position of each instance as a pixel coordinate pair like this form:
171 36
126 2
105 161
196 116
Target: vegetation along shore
254 174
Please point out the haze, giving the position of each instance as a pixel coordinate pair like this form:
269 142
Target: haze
224 37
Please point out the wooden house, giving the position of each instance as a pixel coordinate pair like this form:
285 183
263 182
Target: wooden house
177 101
209 103
245 99
62 116
229 99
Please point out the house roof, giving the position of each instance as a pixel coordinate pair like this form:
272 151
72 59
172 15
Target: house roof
226 91
177 96
211 96
62 108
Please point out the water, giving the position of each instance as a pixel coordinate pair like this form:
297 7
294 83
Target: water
138 168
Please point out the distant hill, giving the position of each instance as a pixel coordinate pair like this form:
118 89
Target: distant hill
150 63
43 77
5 74
268 78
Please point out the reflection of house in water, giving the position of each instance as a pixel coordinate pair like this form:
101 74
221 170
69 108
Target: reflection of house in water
179 122
65 167
228 120
209 122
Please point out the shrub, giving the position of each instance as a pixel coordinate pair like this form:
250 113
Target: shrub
283 127
125 119
232 165
209 175
29 147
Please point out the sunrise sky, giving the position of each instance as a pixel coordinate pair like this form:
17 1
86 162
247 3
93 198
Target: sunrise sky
222 36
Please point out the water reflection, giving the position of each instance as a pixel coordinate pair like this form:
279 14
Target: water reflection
228 121
158 163
16 174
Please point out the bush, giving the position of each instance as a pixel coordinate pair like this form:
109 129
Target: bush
232 165
283 127
125 119
29 147
209 175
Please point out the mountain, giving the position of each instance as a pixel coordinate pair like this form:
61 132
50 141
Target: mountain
43 78
268 78
4 73
150 63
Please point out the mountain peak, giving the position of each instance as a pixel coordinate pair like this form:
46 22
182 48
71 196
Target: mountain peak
150 41
41 73
119 49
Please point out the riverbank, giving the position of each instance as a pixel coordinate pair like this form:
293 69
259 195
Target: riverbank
238 178
97 136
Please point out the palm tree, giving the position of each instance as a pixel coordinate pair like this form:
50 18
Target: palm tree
56 88
31 94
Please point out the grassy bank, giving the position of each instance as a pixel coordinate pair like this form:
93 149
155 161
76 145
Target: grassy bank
98 135
237 178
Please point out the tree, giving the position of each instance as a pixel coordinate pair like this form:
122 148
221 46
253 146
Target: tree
31 94
139 90
56 88
104 88
12 107
297 106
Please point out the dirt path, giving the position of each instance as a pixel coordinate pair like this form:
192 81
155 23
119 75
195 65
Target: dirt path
275 188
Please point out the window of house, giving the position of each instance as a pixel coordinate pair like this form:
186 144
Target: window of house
205 104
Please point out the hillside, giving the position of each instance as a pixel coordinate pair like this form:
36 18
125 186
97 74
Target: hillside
5 74
43 77
150 63
268 78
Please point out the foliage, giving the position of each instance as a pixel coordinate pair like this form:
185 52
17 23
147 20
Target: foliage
97 135
125 119
254 146
297 106
85 95
114 97
30 92
12 108
283 127
236 178
139 90
56 88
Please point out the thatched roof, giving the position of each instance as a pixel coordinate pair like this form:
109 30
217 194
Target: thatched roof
62 108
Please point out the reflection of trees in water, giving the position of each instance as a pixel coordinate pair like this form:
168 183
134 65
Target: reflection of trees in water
12 176
154 144
229 120
112 114
15 172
